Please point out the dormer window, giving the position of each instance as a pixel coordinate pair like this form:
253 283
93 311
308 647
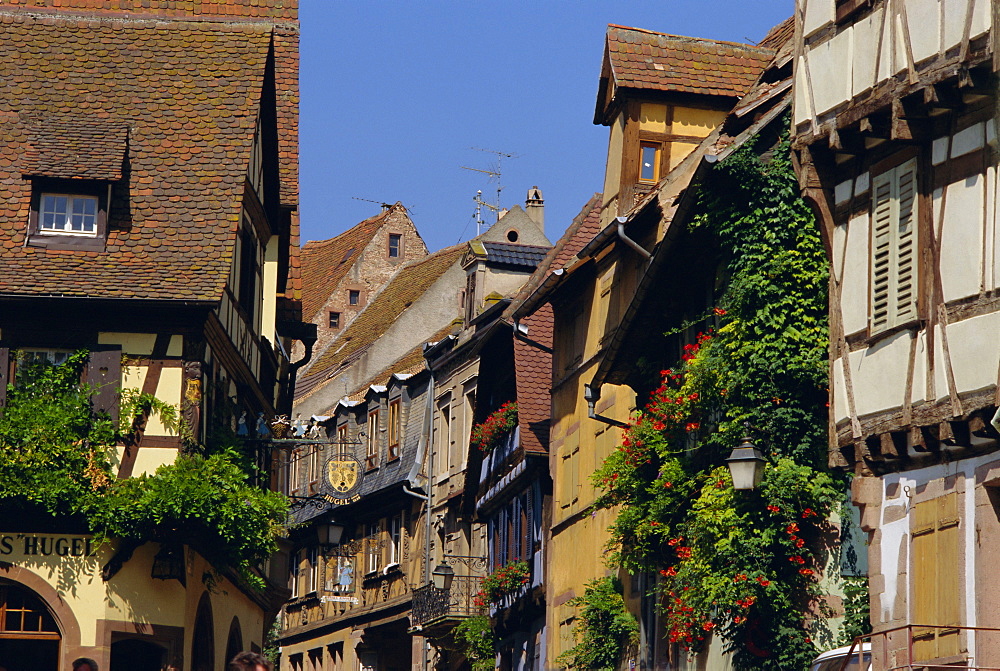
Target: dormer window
67 214
73 165
395 242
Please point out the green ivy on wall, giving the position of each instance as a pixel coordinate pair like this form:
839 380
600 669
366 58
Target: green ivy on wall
605 628
743 566
55 460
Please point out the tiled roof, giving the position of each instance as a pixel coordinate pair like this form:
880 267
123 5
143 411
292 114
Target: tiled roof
405 287
646 60
533 365
189 92
76 150
514 254
326 262
779 35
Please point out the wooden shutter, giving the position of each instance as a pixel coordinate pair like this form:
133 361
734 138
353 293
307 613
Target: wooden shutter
936 551
905 289
881 250
894 253
4 374
104 374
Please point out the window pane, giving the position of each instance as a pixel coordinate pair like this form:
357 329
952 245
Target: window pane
647 169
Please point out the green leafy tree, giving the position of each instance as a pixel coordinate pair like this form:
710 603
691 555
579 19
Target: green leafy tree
476 640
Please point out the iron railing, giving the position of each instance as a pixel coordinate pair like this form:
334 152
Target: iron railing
893 649
459 600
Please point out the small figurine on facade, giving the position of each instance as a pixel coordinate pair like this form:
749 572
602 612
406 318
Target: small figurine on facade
314 430
299 427
241 426
262 430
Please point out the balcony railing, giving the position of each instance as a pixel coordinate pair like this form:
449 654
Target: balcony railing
431 604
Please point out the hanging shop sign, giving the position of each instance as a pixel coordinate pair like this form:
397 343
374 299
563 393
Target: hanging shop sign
46 545
344 475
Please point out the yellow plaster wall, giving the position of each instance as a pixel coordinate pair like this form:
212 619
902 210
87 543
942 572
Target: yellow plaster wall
168 389
140 344
613 173
578 445
679 151
697 122
653 117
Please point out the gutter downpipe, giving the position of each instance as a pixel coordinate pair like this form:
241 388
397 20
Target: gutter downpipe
629 241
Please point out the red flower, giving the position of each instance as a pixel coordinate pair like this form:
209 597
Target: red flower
808 512
739 619
799 542
797 560
792 528
684 553
692 426
740 577
806 571
774 509
668 485
675 541
707 625
763 581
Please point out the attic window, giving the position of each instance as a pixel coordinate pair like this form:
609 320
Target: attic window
354 297
649 162
395 242
69 214
347 254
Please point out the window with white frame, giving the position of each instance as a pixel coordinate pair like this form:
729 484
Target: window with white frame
894 247
313 569
373 552
67 214
371 460
395 538
293 577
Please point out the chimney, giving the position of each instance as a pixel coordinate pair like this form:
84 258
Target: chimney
534 206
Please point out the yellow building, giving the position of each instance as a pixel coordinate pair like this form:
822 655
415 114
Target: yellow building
659 108
150 220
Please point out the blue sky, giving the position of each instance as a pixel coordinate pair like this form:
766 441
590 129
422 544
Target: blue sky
396 94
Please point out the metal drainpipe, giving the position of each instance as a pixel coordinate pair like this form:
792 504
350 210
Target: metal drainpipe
629 241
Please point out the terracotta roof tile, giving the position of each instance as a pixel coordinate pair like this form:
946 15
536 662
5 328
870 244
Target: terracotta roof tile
648 60
778 36
532 365
191 121
76 150
326 262
405 287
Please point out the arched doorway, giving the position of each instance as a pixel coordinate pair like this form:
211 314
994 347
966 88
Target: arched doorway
29 636
203 645
234 644
133 654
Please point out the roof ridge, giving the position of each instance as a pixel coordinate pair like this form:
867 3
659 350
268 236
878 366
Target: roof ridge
751 47
318 244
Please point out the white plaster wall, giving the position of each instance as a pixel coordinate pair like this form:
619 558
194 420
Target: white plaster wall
975 351
803 108
863 63
919 389
962 238
830 72
841 410
818 13
854 287
885 58
994 178
924 18
879 374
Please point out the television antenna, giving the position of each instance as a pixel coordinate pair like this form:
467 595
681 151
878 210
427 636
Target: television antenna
494 172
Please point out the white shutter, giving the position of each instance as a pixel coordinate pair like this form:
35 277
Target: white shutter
882 212
894 247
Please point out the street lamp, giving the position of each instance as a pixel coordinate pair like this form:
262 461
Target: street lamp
329 533
168 563
443 575
746 465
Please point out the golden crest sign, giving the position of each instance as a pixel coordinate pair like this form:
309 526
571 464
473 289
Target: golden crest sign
343 475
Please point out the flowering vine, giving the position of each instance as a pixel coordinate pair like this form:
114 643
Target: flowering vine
741 566
502 582
501 421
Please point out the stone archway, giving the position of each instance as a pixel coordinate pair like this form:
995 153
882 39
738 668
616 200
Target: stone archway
65 620
30 639
203 642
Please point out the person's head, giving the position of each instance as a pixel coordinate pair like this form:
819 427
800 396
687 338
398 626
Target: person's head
249 661
84 664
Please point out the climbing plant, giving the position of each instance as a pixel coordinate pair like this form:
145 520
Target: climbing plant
743 566
604 630
476 640
55 460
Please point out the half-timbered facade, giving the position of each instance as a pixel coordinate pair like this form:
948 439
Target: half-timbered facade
149 188
895 125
